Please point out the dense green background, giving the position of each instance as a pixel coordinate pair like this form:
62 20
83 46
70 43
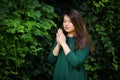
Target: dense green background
27 32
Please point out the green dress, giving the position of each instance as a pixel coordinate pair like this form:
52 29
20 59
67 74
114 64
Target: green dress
70 66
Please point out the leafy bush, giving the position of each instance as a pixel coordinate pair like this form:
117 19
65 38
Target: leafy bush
25 39
27 29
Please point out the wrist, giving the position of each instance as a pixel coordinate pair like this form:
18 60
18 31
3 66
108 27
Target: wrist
58 45
64 43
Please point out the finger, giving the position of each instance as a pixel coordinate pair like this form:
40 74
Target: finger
57 35
60 31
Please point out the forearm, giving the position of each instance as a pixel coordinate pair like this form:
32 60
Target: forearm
78 57
56 50
65 48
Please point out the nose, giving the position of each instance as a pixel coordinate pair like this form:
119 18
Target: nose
66 23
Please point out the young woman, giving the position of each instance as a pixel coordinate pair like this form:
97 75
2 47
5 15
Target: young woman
70 51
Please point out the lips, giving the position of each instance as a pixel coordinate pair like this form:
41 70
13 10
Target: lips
67 27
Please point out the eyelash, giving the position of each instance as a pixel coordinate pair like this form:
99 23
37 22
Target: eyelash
67 21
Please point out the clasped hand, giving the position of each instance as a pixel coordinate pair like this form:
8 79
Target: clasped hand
60 37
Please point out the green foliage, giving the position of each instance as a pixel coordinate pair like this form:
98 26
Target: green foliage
100 17
24 38
27 29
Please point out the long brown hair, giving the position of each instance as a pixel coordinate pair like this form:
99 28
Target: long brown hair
81 37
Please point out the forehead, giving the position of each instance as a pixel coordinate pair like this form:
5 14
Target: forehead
66 17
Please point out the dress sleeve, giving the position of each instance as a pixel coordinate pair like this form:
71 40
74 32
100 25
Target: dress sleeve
51 58
76 58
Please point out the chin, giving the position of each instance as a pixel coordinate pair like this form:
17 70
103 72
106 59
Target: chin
67 30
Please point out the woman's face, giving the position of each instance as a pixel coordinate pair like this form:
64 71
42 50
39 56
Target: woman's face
67 24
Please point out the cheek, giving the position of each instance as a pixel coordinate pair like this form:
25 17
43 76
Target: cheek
63 24
72 26
73 29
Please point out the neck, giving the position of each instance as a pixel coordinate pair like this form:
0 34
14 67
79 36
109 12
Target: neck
71 34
